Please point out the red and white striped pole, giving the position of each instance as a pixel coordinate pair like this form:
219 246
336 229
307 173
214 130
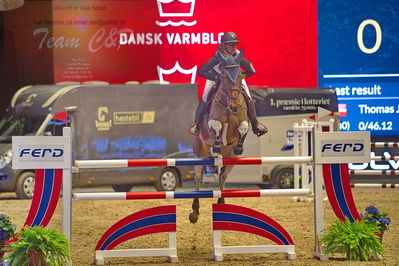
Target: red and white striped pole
125 163
145 195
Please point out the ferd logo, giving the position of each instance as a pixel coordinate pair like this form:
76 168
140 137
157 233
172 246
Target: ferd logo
342 147
42 152
38 153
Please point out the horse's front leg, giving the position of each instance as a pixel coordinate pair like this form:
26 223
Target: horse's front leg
199 175
242 133
217 129
224 171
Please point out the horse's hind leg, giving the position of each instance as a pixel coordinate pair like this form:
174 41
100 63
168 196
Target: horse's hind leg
242 132
199 173
222 178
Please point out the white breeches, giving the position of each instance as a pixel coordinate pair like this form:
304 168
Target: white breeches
210 83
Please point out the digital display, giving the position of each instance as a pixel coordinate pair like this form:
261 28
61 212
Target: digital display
358 51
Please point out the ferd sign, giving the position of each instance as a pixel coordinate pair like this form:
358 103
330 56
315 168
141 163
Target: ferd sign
41 152
342 147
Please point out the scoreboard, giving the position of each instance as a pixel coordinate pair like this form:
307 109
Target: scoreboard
358 55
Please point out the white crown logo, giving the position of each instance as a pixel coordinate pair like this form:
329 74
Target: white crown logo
184 8
177 67
162 13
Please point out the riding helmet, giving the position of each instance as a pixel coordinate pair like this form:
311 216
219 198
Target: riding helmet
229 37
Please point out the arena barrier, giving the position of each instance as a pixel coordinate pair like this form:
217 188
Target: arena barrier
336 181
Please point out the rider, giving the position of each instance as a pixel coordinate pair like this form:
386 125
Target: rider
210 71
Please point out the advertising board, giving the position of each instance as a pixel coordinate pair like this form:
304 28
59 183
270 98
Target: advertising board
342 147
41 152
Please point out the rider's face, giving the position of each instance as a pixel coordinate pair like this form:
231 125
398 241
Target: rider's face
231 47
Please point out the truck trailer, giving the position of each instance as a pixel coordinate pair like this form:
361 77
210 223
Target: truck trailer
107 122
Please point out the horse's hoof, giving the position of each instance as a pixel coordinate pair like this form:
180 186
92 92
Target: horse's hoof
238 150
193 217
216 150
215 155
220 200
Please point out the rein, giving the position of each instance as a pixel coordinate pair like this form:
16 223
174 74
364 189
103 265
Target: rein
232 103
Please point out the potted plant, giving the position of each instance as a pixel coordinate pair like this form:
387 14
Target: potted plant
7 231
37 246
357 240
380 219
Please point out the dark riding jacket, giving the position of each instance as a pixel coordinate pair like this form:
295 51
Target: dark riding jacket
208 71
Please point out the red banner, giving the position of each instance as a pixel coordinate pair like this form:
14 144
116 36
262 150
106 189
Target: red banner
169 40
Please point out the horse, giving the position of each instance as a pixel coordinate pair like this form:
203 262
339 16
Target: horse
228 106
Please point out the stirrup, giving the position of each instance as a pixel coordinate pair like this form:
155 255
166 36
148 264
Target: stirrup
193 130
261 133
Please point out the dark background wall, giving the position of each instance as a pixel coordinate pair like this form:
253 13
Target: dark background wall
21 62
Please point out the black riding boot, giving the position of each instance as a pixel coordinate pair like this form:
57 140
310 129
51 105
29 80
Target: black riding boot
258 130
194 130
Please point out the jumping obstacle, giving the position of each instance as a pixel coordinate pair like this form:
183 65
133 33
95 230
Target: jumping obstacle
227 217
370 185
339 188
383 158
161 219
84 164
303 146
189 194
380 158
374 172
384 144
126 228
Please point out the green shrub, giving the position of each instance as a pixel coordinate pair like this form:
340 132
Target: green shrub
355 239
51 244
7 229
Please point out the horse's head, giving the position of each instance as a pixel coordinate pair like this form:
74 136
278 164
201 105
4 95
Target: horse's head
230 82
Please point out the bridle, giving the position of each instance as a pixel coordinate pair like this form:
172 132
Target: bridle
233 98
230 84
